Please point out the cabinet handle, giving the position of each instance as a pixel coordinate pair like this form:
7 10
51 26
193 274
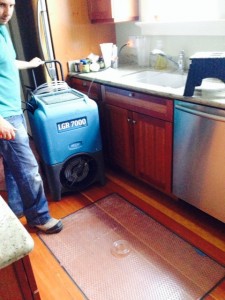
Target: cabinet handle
128 120
84 83
134 122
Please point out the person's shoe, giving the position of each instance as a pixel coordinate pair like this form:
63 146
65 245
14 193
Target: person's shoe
52 226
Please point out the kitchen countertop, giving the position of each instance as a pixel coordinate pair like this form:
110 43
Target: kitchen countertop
15 241
207 94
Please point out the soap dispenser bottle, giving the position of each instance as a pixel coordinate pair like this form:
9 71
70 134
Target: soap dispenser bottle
161 61
181 61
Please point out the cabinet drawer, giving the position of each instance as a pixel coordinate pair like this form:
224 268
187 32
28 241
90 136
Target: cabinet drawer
89 88
154 106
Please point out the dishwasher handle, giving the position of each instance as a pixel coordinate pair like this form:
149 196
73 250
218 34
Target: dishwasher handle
200 113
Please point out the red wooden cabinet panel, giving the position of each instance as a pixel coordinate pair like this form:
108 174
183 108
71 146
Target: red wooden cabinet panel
17 281
108 11
139 135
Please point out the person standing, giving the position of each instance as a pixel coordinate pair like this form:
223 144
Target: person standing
24 185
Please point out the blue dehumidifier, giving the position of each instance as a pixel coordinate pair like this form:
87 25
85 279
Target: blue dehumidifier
65 128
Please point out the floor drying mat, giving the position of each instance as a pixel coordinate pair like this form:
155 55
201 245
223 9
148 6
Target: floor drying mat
114 251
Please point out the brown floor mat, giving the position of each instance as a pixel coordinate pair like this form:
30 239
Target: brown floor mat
114 251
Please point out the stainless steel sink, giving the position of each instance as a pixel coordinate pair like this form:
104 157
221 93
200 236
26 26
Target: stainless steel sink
163 79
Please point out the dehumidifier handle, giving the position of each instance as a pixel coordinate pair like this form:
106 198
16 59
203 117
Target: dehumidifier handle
55 62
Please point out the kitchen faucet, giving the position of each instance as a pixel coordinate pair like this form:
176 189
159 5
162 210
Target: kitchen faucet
180 64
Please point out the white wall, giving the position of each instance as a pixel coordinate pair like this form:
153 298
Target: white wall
181 9
172 43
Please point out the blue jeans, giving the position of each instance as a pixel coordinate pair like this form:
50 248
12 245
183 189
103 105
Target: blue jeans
23 181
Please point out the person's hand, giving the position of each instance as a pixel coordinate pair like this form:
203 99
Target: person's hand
7 131
35 62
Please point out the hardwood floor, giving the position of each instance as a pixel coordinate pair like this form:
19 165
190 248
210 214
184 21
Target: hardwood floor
199 229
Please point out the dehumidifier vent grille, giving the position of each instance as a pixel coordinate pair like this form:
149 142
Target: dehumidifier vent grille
78 172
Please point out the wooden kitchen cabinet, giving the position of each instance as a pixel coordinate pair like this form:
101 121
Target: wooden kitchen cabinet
108 11
17 281
89 88
139 135
119 133
153 151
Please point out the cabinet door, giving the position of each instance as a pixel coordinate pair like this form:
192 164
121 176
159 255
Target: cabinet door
17 281
153 150
100 11
9 285
113 10
120 137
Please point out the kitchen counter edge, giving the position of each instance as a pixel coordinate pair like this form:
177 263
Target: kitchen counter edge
114 77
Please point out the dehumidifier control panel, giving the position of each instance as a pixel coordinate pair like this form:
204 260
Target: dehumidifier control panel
60 96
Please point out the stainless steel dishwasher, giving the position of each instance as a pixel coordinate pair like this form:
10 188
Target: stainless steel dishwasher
199 157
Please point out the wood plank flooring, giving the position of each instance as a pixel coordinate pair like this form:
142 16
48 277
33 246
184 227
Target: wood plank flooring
199 229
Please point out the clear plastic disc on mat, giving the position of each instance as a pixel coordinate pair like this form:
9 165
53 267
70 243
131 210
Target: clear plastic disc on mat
120 248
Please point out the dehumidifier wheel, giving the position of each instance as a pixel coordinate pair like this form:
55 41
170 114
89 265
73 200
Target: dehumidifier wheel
78 172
